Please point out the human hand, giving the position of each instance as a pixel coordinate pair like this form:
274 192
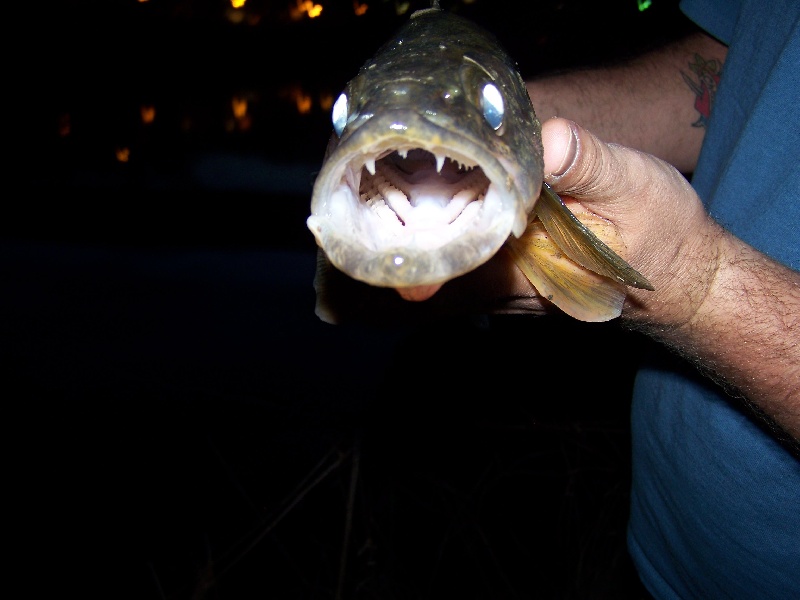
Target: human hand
667 232
718 301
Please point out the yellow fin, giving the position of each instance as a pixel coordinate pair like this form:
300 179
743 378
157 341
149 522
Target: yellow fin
581 245
579 292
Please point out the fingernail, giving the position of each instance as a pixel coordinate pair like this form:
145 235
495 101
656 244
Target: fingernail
568 156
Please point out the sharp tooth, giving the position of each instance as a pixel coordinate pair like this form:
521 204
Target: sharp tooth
439 163
403 152
370 164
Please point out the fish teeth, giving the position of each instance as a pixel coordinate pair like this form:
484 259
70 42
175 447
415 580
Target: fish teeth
370 164
439 162
403 152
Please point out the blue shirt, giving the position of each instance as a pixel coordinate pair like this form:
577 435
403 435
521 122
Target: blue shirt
715 502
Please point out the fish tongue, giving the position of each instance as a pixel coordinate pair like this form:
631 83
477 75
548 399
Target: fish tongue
418 293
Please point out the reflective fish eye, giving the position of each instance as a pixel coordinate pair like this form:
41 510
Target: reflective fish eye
339 114
493 106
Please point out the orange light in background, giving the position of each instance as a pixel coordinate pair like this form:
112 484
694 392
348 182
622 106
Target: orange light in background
241 118
236 15
239 107
302 100
304 7
359 8
123 154
148 112
325 101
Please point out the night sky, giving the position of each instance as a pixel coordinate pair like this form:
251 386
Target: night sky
100 66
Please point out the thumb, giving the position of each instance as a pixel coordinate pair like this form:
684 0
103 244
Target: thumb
635 190
660 218
578 164
560 140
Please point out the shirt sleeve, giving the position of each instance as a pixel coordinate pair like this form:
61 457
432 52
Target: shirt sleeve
716 17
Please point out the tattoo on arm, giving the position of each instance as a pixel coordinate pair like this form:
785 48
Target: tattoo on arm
703 81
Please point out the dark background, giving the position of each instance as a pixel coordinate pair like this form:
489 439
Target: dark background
181 425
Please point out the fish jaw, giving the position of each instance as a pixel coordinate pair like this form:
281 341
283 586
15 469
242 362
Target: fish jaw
374 232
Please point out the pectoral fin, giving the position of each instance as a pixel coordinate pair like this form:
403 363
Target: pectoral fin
579 292
569 264
581 245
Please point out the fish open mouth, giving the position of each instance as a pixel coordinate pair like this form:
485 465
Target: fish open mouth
413 208
420 197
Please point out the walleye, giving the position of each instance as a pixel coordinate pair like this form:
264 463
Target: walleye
435 163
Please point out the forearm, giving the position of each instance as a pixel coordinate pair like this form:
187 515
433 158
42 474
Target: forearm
745 330
648 103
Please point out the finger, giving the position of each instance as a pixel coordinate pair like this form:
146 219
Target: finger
663 224
636 191
579 164
560 146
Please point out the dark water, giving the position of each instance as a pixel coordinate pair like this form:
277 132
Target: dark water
179 418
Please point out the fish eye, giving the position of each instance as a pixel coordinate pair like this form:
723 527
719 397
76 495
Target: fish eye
492 105
339 114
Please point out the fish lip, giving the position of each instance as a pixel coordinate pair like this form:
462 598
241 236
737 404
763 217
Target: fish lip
406 129
400 266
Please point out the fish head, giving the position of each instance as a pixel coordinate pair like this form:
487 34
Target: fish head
435 158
